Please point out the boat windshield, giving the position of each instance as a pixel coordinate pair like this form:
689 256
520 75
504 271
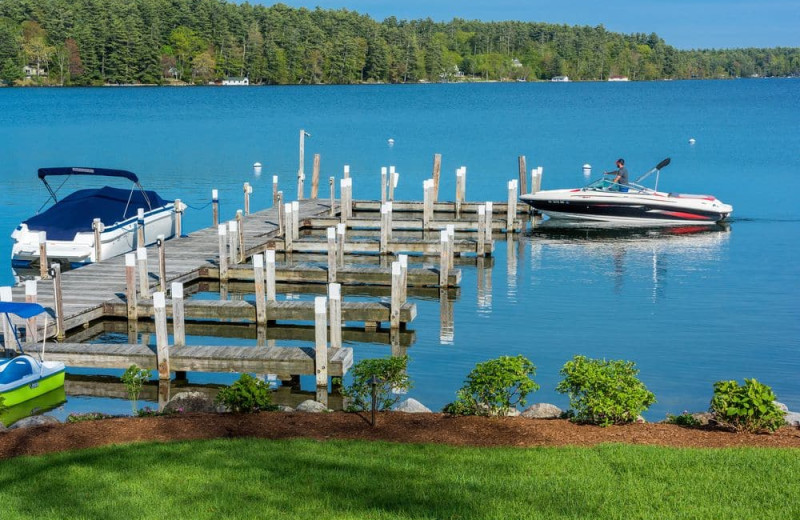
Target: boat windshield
609 185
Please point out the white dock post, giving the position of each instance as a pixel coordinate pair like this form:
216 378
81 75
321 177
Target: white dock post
261 302
144 281
315 177
178 315
214 207
222 233
511 216
241 254
97 227
481 230
346 171
347 198
247 191
335 309
523 178
281 215
295 220
162 262
180 207
31 334
332 186
274 191
427 203
444 258
301 176
437 170
332 254
461 175
396 297
288 227
384 177
403 260
162 339
269 260
130 286
233 241
43 271
489 247
536 179
58 297
8 331
341 233
386 231
394 177
451 242
140 232
321 340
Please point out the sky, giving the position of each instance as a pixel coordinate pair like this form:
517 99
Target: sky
684 24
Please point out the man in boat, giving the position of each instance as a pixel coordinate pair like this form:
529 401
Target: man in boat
621 176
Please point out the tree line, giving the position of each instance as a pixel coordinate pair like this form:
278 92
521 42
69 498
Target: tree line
95 42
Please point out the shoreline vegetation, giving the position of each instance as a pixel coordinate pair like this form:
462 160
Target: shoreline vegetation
201 42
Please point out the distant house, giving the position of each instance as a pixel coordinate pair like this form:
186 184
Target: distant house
516 63
31 71
618 78
561 79
235 81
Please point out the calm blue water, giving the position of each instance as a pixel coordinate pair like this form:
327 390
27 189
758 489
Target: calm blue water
689 309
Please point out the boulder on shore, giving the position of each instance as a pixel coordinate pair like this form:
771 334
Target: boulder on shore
310 406
36 420
792 418
411 406
186 402
542 411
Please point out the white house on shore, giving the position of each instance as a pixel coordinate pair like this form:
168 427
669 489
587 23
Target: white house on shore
561 79
618 78
235 81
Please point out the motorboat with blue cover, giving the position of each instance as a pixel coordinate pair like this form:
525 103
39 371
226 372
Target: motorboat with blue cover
24 377
69 223
629 204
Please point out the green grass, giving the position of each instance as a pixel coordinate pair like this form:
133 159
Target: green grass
347 480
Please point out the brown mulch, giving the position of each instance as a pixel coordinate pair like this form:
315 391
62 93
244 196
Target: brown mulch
391 426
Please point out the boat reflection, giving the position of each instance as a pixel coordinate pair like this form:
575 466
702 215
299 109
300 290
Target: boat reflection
36 406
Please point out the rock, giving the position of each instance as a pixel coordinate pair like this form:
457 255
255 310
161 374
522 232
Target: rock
310 406
185 402
284 408
792 418
782 407
36 420
640 419
704 418
542 411
513 412
411 406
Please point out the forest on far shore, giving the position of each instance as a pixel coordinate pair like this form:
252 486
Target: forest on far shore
97 42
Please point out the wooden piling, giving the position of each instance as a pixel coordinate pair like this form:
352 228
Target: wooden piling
162 263
511 215
162 339
222 232
437 170
384 177
214 207
144 281
335 310
179 209
386 227
281 215
332 256
247 191
261 301
394 177
444 259
301 176
403 260
461 188
332 185
536 179
451 245
523 174
341 233
43 271
130 286
30 297
321 341
428 195
240 249
141 241
315 177
346 189
178 315
233 242
274 191
295 220
97 227
58 297
269 261
396 296
481 231
489 210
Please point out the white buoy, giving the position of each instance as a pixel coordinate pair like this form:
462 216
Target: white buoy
691 140
257 168
390 141
587 169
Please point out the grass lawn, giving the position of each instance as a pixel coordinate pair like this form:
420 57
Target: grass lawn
347 480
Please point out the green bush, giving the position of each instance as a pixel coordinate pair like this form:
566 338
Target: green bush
134 379
88 416
746 408
495 387
391 378
246 395
685 419
604 392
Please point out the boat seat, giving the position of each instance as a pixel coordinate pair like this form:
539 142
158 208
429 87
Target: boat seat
15 370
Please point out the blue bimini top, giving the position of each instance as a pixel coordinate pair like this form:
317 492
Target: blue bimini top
74 213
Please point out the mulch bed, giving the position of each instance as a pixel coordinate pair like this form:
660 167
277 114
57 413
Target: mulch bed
391 426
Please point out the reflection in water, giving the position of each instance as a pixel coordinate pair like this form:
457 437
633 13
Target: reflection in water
447 320
622 248
484 287
36 406
511 267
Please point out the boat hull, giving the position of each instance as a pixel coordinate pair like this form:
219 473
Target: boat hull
30 388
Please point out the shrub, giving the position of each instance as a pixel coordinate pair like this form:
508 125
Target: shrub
495 387
246 395
134 379
685 419
88 416
746 408
604 392
391 378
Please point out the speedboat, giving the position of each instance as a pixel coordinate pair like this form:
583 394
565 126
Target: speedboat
630 204
24 377
69 223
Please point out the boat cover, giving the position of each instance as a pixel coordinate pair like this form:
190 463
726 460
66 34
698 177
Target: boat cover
21 309
74 213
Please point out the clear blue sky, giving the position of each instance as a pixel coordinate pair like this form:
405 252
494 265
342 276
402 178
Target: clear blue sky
685 24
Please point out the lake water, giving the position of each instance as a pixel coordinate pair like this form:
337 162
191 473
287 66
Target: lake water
688 308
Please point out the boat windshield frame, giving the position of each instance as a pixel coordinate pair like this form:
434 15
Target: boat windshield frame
69 171
604 184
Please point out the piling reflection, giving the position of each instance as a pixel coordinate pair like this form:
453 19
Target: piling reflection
446 319
484 268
